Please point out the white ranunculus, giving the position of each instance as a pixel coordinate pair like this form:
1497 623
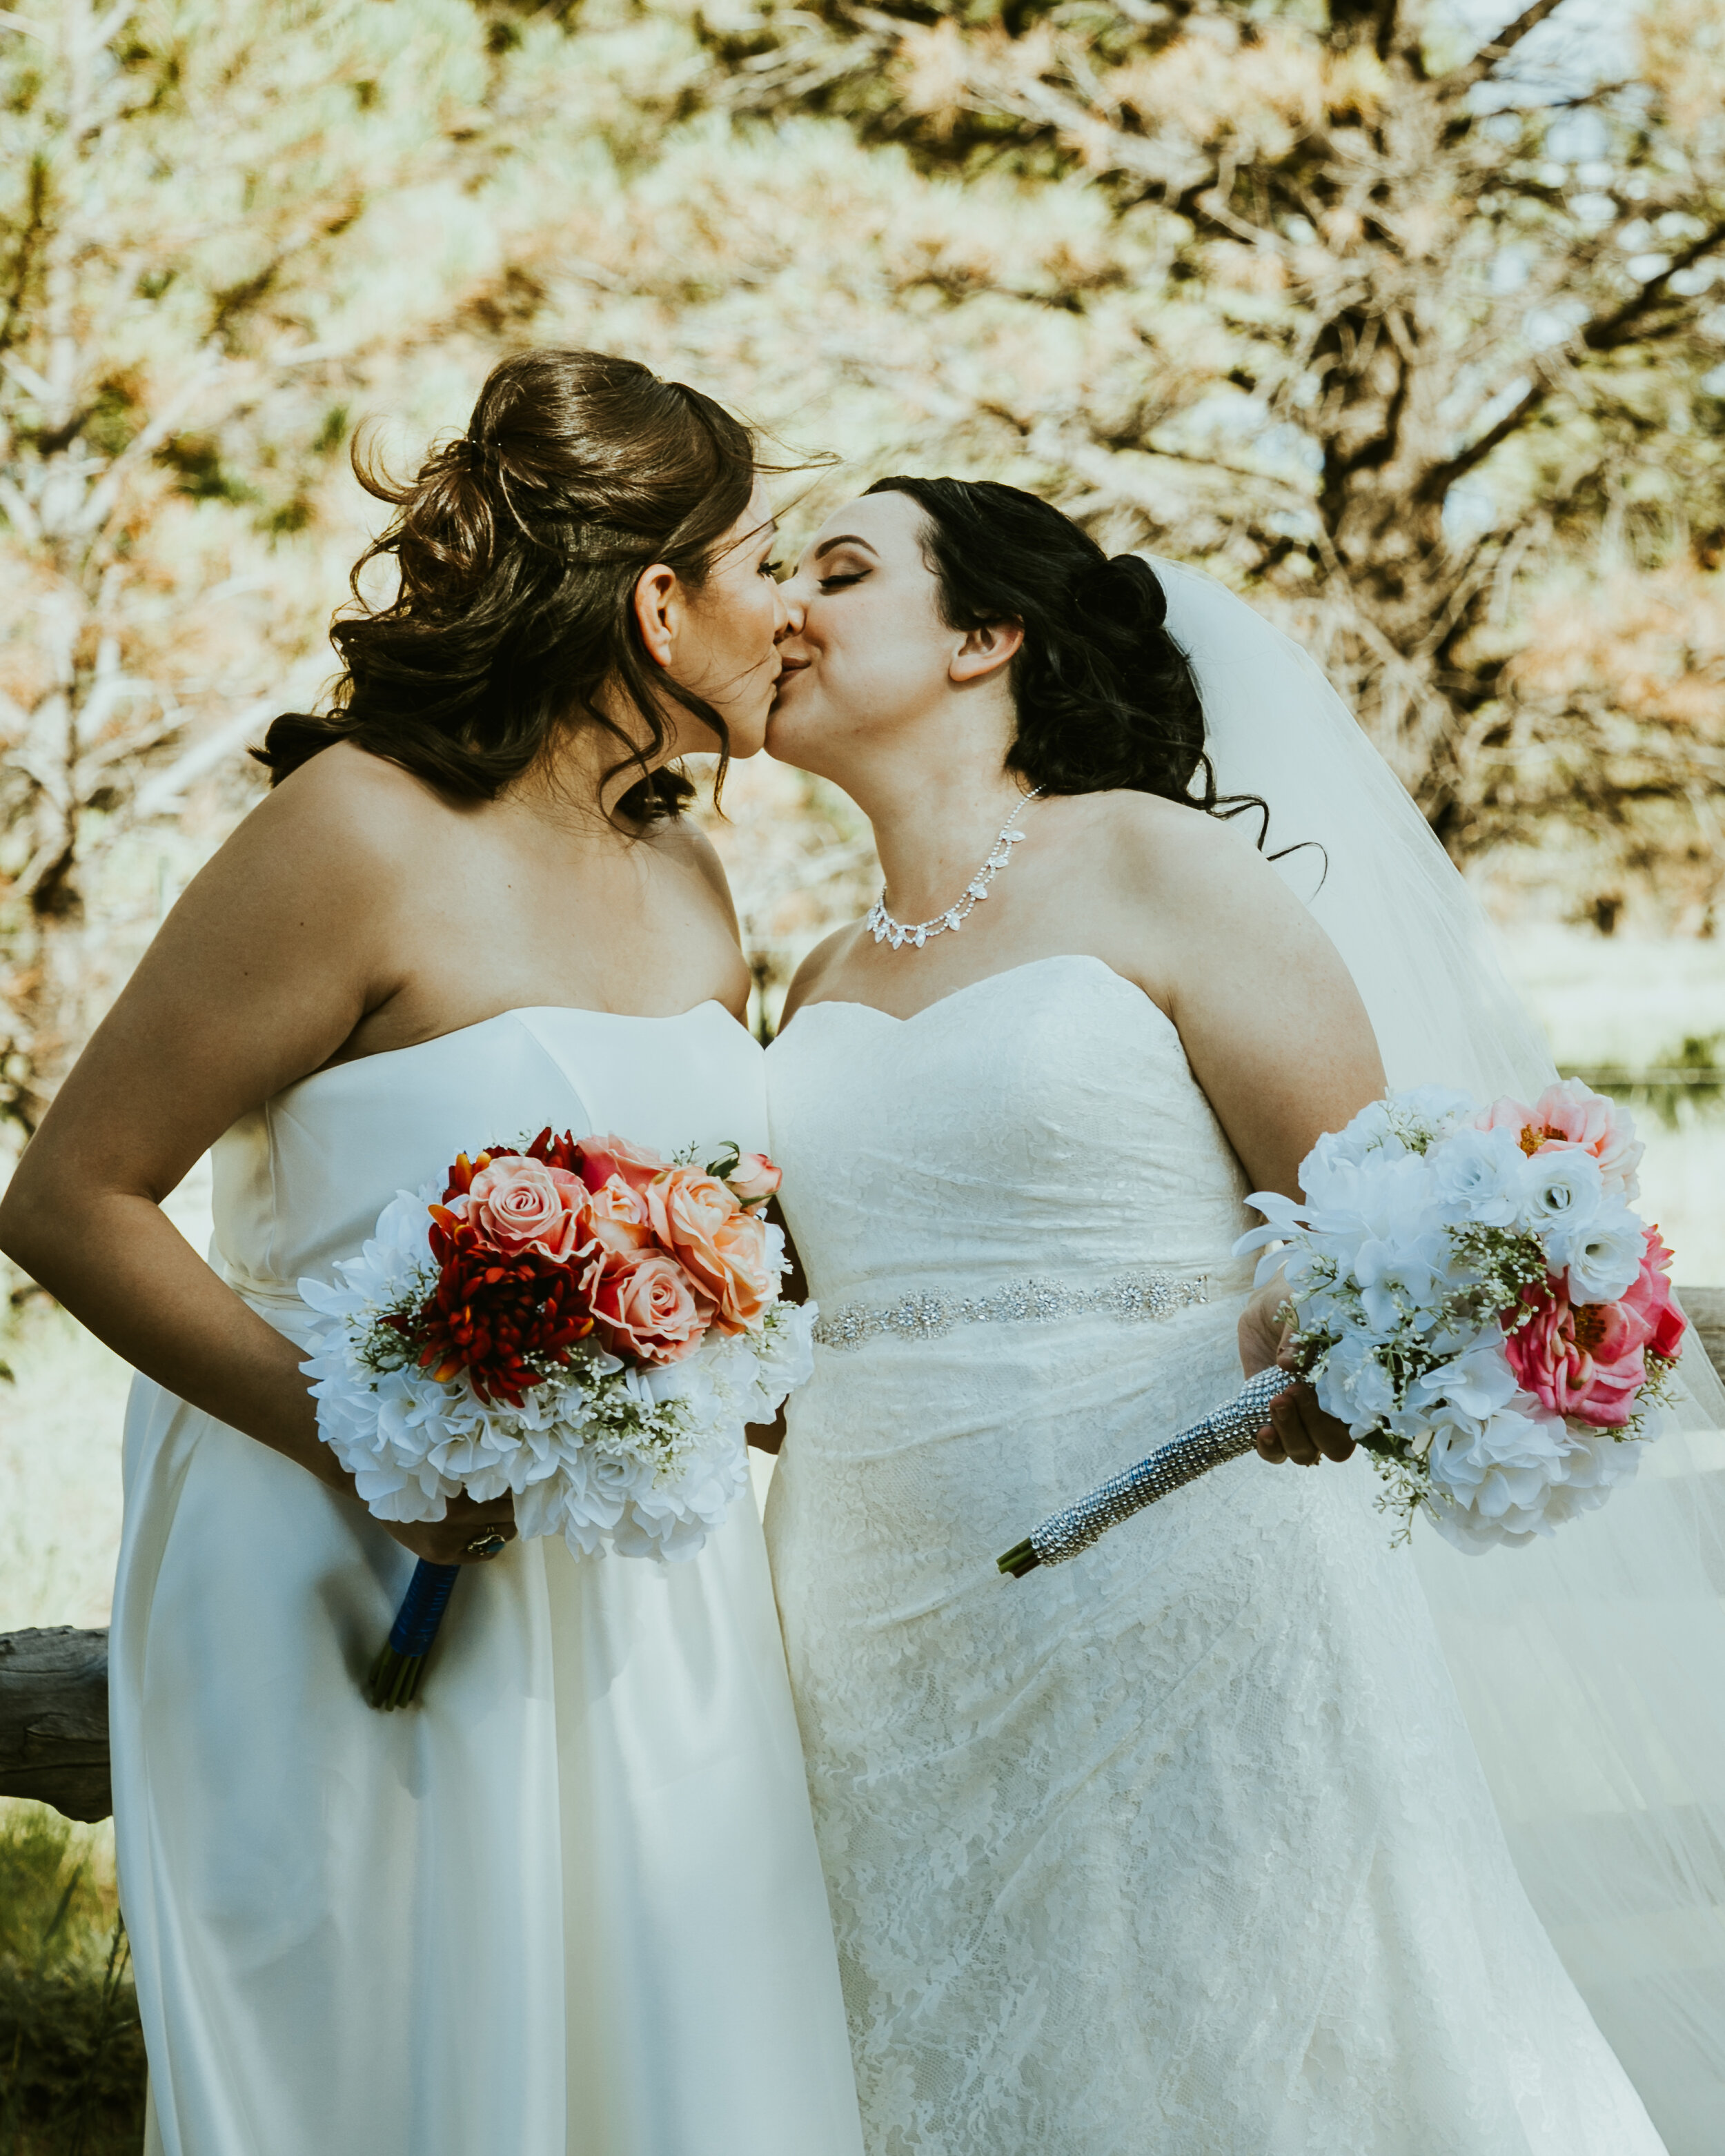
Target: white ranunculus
1602 1259
1564 1194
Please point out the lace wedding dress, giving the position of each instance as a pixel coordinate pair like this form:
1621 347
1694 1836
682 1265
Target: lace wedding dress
571 1904
1181 1848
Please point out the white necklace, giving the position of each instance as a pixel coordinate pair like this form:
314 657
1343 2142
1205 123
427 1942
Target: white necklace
881 926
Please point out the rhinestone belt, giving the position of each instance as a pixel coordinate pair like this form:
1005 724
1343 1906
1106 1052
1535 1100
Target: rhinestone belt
928 1313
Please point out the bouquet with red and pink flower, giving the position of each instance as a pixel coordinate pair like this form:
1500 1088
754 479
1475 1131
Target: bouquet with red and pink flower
578 1324
1471 1294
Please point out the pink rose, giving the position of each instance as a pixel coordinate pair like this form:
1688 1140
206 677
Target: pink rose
615 1216
647 1310
754 1179
601 1158
1650 1299
1582 1359
1572 1114
517 1205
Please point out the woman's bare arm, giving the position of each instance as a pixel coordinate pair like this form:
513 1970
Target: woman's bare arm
259 976
1276 1035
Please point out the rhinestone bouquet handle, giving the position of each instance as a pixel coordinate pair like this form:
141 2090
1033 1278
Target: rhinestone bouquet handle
1224 1433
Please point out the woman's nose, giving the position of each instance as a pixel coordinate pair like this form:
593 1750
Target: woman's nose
790 611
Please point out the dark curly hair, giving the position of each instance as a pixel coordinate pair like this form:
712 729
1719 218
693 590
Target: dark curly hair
1105 697
518 546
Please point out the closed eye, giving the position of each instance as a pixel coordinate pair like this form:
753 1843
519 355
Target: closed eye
772 569
838 583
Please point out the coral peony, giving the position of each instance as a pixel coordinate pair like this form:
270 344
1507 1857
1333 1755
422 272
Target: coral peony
1572 1114
1582 1359
647 1310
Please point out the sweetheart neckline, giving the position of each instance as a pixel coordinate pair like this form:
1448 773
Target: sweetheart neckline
522 1011
1006 972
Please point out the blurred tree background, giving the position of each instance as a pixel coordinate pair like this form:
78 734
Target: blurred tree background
1406 320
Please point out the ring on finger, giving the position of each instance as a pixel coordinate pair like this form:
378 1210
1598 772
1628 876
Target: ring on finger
486 1545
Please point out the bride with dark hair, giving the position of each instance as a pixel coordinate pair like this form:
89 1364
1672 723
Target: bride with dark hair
570 1905
1183 1848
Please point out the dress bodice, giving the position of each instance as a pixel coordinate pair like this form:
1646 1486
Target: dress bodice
300 1181
1043 1120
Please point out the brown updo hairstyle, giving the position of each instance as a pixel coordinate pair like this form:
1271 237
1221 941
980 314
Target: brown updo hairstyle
518 547
1105 697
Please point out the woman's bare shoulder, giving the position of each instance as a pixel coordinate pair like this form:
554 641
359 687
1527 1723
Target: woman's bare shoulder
678 839
1173 854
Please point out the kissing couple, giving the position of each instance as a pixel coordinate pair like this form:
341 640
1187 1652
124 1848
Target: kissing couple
829 1839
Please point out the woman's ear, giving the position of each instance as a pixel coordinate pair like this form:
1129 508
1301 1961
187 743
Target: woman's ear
985 651
656 592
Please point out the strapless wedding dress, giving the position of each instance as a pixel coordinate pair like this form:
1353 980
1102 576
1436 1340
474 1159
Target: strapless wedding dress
1180 1849
569 1905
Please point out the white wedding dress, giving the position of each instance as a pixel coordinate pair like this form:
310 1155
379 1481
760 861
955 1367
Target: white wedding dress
1181 1848
569 1905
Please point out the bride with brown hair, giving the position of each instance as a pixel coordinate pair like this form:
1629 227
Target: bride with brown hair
572 1902
1182 1848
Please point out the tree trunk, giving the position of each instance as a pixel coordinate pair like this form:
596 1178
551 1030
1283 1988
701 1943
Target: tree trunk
54 1720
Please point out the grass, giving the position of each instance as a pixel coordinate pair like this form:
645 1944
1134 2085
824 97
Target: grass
71 2051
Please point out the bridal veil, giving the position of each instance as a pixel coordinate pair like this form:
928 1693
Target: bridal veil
1591 1666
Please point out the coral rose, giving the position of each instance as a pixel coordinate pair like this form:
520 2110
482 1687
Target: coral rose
687 1209
1650 1299
1585 1359
747 1252
601 1158
519 1204
1572 1114
647 1310
615 1216
728 1251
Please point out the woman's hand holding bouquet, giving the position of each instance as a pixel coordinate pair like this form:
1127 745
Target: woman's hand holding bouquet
1472 1297
580 1328
1468 1297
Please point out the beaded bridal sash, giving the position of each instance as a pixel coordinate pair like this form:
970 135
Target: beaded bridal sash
927 1313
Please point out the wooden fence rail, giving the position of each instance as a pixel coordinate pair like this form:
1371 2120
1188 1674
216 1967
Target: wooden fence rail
53 1685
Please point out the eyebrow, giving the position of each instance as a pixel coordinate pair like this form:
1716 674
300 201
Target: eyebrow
843 539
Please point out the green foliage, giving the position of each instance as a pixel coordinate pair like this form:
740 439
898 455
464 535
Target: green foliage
71 2052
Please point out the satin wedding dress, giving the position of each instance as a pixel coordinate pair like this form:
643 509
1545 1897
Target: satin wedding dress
1181 1848
569 1905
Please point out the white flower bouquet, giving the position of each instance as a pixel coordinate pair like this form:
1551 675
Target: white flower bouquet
580 1325
1473 1295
